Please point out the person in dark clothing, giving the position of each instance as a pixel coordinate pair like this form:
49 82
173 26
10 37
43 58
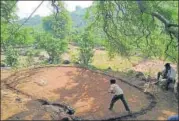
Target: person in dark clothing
168 73
118 94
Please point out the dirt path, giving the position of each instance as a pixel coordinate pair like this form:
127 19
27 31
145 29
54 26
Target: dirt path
151 66
80 88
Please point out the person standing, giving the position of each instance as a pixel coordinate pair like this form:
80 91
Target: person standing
118 94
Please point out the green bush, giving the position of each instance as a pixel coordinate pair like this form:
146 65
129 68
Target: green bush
74 57
36 53
53 46
86 46
11 57
30 57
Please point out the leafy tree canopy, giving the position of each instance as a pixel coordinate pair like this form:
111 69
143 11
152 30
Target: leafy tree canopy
149 26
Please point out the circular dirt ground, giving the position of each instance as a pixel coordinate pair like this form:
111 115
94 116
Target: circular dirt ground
82 89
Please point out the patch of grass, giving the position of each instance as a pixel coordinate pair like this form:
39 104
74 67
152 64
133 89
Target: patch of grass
102 61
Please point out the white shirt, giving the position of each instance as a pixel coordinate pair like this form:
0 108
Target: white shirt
171 73
116 89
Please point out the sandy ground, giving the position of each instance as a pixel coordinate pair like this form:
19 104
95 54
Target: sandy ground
151 67
84 90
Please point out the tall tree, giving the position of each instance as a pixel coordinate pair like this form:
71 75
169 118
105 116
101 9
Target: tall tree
151 26
56 30
8 9
58 24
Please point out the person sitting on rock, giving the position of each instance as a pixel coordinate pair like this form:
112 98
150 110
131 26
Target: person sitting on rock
118 94
167 74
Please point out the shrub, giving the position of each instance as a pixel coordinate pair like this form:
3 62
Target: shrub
30 57
11 56
86 46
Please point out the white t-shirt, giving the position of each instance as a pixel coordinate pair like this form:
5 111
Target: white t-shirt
171 73
116 89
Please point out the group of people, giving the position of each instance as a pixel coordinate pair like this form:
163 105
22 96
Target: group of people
168 74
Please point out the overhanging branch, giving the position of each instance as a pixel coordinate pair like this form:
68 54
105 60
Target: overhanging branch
167 24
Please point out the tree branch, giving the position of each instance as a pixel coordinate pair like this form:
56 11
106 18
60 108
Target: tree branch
167 24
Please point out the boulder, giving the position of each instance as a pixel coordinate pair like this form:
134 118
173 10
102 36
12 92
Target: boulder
64 117
77 62
66 62
42 82
142 78
58 111
3 64
18 99
51 108
43 57
130 72
139 74
109 68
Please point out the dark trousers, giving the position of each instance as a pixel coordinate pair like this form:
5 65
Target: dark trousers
169 80
116 98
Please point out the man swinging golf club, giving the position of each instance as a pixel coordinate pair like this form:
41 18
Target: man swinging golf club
118 94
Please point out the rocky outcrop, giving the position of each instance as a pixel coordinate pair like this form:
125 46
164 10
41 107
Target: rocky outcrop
141 76
44 110
66 62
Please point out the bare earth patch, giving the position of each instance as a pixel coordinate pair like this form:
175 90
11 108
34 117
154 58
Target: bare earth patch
82 89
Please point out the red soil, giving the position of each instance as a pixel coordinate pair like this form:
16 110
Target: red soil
82 89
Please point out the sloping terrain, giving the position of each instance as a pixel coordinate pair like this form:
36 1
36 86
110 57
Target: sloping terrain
82 89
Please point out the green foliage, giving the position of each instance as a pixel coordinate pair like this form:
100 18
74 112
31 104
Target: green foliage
74 57
54 47
54 39
8 16
8 10
11 57
37 52
58 25
138 25
23 37
10 36
86 45
30 57
77 17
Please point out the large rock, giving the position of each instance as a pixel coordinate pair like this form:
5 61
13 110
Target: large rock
77 62
43 57
66 62
51 108
3 64
130 72
138 74
41 82
58 111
